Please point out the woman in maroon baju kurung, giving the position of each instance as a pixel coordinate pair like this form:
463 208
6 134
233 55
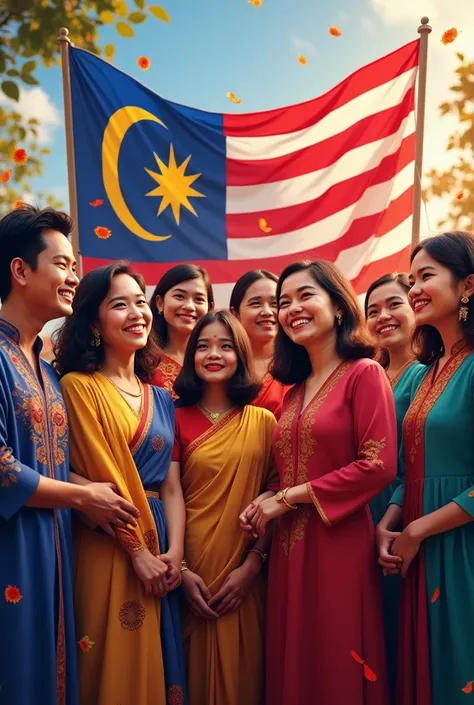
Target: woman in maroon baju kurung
335 449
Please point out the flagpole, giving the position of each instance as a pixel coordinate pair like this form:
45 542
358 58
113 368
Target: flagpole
64 43
423 30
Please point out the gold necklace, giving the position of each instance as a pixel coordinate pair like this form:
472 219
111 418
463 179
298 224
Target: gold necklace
396 377
125 391
214 415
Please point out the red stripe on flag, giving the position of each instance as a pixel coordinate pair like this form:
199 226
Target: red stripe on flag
399 262
341 195
298 117
323 154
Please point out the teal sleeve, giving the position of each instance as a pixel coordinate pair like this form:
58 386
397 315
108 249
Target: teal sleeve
465 500
397 497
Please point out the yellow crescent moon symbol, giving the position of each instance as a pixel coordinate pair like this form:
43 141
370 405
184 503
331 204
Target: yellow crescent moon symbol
114 134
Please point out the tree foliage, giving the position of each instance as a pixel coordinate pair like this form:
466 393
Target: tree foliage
458 181
28 37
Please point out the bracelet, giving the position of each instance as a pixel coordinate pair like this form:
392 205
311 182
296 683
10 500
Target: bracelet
184 566
260 553
281 497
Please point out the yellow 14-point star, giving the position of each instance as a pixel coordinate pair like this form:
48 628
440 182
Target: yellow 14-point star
174 185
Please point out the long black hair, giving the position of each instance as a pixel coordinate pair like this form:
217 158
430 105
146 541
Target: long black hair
242 387
455 251
73 348
291 362
243 284
174 276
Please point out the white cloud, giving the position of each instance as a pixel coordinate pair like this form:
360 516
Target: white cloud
35 103
442 62
368 25
302 46
342 16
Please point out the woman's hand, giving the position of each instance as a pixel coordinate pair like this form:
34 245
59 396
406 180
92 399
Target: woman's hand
102 506
249 512
406 546
384 541
266 511
197 594
152 571
173 561
235 587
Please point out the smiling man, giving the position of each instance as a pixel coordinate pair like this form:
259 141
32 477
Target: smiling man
38 646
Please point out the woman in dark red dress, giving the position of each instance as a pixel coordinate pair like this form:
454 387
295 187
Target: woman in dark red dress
335 448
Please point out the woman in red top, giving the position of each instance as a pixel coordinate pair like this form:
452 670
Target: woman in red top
181 298
253 301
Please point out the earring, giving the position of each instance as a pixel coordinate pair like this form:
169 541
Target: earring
463 310
339 318
160 311
95 342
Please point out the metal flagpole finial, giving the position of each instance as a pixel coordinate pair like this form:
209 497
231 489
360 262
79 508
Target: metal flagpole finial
64 35
424 26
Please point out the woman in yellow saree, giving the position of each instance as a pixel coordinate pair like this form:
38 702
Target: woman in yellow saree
122 431
224 447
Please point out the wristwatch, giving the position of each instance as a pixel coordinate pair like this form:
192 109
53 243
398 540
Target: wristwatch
281 497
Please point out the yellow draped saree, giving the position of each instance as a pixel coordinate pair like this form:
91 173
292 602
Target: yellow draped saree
118 627
223 469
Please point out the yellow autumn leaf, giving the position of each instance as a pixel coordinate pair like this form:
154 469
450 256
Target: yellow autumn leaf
302 59
121 8
48 62
124 29
233 98
34 25
109 51
160 13
263 225
106 16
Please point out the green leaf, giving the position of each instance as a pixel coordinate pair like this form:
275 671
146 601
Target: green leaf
137 17
11 90
30 80
28 51
45 150
160 13
13 72
33 121
22 133
28 67
460 56
34 131
109 51
3 63
124 29
106 17
140 4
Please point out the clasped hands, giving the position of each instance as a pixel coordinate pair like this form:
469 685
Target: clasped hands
256 517
397 549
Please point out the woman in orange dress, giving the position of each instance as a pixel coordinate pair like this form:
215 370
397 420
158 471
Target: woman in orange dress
223 443
253 301
181 298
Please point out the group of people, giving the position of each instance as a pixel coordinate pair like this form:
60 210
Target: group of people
172 449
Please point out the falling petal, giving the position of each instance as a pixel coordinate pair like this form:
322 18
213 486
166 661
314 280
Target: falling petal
335 31
369 674
98 202
256 3
468 687
435 595
460 195
263 225
20 156
233 98
144 63
6 176
85 644
17 205
356 657
302 59
102 232
471 493
449 36
12 594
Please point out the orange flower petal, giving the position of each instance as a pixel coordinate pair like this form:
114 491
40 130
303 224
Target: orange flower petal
471 493
460 195
6 176
356 657
468 687
17 205
144 63
302 59
233 98
449 36
102 232
263 225
435 595
335 31
12 594
256 3
85 644
20 156
369 674
98 202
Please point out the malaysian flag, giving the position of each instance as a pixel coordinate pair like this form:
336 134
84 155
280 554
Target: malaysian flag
159 183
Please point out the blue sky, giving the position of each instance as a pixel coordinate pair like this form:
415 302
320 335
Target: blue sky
215 46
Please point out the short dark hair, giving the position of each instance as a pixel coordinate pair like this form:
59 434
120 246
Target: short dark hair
243 284
400 278
21 235
291 363
243 387
173 277
455 251
73 347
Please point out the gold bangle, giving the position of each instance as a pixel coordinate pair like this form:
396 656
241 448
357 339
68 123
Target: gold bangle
184 566
260 553
281 497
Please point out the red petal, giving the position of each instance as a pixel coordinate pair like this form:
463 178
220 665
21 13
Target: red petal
435 595
356 657
369 674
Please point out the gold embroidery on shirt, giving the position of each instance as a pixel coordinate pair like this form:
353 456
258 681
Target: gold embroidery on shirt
371 451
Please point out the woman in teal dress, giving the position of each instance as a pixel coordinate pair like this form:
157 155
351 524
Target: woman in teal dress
435 551
391 319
